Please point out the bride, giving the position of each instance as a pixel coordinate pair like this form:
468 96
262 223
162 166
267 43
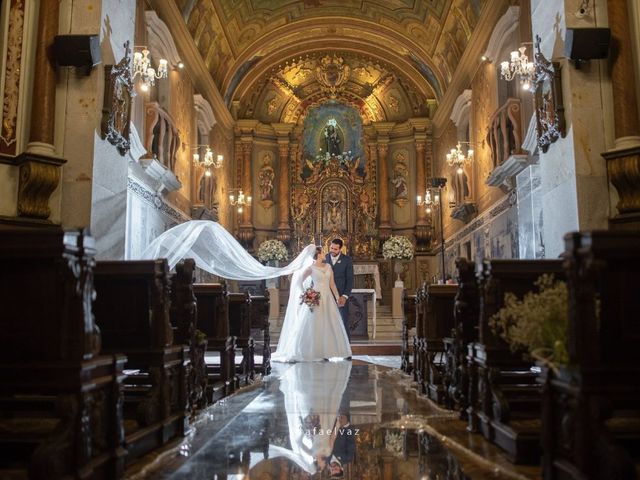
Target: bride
313 334
307 335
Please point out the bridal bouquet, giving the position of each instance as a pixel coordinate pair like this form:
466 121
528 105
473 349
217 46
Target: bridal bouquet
272 250
311 297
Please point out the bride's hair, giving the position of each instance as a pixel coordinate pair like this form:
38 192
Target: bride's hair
318 252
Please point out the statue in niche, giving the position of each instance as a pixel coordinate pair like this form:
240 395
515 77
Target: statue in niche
207 190
460 185
266 177
332 140
399 181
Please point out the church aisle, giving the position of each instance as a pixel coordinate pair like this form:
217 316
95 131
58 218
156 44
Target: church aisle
289 426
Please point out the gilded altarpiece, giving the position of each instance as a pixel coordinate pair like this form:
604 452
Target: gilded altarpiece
336 200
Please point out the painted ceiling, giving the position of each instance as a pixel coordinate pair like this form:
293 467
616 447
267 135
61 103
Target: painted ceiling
251 46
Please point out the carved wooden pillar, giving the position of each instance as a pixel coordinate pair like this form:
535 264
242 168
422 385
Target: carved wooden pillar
383 183
39 166
623 162
284 230
245 231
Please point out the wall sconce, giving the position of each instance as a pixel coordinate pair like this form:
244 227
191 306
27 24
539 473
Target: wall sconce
456 158
518 65
142 67
431 200
208 159
240 201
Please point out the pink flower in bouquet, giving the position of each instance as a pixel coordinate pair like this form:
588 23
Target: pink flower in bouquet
310 297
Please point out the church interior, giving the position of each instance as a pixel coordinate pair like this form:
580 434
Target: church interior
478 159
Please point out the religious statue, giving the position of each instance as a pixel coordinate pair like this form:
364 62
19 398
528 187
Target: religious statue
460 184
332 139
334 209
266 178
399 181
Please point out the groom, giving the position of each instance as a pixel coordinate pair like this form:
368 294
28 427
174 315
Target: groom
343 276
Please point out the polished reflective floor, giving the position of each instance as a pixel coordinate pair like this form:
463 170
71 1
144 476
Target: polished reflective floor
343 419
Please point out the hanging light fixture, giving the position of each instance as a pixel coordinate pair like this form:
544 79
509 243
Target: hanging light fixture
519 65
142 68
208 160
240 201
458 159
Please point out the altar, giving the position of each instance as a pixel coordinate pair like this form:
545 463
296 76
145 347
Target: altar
369 269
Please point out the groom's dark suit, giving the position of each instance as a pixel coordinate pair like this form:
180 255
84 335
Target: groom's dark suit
343 276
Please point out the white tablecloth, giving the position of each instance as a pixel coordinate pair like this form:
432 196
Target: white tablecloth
370 269
373 313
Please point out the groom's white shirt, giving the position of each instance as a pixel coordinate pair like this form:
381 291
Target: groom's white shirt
334 259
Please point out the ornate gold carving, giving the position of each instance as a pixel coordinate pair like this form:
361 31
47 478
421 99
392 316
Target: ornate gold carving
116 111
332 74
12 77
394 103
38 180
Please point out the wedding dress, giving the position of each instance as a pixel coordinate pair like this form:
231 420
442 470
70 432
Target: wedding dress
312 397
314 334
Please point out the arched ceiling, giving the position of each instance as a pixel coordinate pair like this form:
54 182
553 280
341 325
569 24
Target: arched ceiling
251 47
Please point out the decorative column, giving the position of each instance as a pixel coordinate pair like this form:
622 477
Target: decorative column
245 231
623 162
39 166
284 151
383 129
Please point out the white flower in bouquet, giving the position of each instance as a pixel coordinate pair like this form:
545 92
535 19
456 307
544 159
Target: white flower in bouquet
272 250
397 247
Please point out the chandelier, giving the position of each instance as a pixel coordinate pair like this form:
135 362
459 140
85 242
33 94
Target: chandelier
142 67
519 65
208 160
240 201
430 201
456 158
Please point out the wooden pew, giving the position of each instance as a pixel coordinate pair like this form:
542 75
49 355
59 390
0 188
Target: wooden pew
213 320
260 328
591 413
184 317
464 332
240 327
60 401
437 323
408 322
132 311
507 393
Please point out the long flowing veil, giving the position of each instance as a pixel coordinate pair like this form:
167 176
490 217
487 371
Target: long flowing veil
216 251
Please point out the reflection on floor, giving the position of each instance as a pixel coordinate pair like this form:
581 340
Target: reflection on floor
317 420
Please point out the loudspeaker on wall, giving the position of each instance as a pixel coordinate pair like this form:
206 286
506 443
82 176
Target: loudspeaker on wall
77 50
587 43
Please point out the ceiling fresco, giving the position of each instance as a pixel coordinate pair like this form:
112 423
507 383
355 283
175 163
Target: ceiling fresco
417 44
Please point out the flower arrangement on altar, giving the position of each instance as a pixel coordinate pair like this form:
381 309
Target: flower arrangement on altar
537 323
310 297
270 250
397 247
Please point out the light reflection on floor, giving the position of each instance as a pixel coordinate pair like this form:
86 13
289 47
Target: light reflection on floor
288 427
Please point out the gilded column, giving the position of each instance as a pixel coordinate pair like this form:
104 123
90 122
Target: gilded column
39 166
383 178
284 229
623 162
246 233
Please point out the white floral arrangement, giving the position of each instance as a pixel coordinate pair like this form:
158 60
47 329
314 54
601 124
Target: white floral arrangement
272 250
397 247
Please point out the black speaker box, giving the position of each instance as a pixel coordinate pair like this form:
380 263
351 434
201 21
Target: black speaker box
77 50
587 43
